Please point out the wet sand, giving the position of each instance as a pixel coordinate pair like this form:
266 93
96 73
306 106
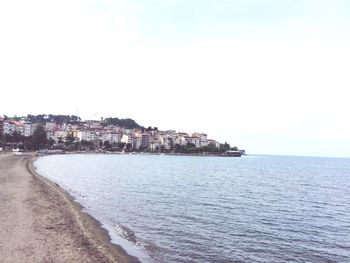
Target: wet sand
40 222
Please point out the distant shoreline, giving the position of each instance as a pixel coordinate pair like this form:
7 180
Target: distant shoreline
141 153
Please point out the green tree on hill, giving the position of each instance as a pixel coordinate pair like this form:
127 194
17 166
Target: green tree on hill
125 123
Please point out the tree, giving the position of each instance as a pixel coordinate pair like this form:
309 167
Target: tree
211 148
86 145
224 147
2 141
76 145
51 142
28 143
171 144
125 123
17 137
39 137
69 139
190 146
70 142
107 145
177 148
128 147
121 145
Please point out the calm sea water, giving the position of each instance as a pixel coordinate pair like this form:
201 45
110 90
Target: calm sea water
212 209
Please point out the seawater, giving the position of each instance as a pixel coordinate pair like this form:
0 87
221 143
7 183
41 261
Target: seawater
212 209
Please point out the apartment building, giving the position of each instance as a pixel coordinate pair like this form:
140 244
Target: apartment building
86 135
202 137
9 127
137 142
1 126
127 138
112 137
28 129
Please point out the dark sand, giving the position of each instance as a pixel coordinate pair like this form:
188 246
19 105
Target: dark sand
39 222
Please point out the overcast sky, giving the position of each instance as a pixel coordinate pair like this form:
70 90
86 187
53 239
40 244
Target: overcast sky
270 76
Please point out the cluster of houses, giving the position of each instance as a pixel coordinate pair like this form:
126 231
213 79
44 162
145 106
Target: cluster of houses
98 134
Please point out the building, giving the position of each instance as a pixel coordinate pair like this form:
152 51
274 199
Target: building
127 138
86 135
19 127
28 129
166 141
214 143
182 138
137 139
1 126
145 140
50 126
171 133
194 140
9 127
154 145
137 142
60 135
202 137
111 137
93 124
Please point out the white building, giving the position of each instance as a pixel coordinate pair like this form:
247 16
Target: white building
137 142
166 141
203 138
112 137
28 129
127 138
182 139
19 127
89 136
195 140
154 145
9 127
60 135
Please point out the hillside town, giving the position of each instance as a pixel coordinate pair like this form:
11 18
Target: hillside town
111 134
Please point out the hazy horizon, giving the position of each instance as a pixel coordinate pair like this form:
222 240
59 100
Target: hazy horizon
267 76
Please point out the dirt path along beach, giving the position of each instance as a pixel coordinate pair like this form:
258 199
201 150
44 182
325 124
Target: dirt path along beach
40 223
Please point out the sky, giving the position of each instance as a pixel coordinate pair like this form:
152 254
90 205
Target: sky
269 76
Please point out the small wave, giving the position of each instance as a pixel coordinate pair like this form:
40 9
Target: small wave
126 233
149 247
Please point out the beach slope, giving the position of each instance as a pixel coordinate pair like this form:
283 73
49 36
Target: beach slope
40 223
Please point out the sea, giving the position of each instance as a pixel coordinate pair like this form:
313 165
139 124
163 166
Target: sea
256 208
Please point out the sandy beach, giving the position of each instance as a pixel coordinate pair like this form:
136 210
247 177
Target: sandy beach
41 223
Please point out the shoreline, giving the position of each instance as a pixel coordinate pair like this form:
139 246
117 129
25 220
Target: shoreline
88 222
55 226
141 153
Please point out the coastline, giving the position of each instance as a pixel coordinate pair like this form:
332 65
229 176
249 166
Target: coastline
45 222
144 153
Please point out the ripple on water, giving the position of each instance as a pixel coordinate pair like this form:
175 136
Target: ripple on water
192 209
